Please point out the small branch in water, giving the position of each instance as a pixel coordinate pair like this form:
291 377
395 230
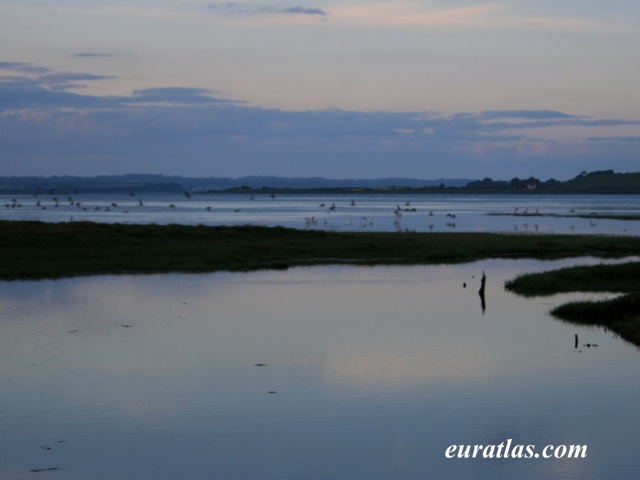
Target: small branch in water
50 469
483 281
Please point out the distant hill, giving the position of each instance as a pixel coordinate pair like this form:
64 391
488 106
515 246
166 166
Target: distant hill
320 182
602 182
605 181
166 183
99 184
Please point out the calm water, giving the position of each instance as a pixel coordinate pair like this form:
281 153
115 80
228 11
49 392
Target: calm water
341 212
369 373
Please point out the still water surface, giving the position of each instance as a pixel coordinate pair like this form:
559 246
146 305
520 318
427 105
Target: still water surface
369 373
358 212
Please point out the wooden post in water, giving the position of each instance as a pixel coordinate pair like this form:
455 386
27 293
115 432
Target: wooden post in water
483 281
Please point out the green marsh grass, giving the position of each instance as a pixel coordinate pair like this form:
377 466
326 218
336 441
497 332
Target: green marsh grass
35 250
620 314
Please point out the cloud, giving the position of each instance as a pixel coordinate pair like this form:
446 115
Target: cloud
381 14
23 67
92 55
50 82
302 11
502 124
407 14
243 8
632 139
232 7
50 90
64 81
525 114
24 94
27 93
176 95
412 14
198 131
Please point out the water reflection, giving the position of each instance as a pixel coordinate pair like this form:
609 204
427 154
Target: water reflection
328 372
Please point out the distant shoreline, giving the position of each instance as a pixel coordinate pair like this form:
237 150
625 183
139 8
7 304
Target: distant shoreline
407 190
598 182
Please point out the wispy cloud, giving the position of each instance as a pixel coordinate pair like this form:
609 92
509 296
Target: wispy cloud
23 67
51 91
175 96
632 139
92 55
305 11
411 14
504 120
66 80
380 14
257 9
524 115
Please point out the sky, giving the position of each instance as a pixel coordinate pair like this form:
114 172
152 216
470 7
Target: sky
337 89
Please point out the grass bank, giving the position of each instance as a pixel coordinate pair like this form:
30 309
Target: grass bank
592 216
621 314
38 250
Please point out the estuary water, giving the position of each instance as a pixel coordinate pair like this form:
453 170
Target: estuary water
328 372
380 212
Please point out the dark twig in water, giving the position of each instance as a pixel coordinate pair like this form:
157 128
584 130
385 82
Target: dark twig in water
483 304
50 469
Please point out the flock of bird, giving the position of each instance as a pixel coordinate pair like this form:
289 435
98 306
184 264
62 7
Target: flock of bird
309 222
55 202
363 221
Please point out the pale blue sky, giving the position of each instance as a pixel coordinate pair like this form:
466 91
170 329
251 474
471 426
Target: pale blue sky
327 88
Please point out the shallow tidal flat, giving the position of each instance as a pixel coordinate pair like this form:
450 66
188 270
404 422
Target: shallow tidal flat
320 372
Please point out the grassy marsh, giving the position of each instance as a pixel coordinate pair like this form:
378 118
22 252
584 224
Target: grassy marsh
36 250
620 314
591 216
